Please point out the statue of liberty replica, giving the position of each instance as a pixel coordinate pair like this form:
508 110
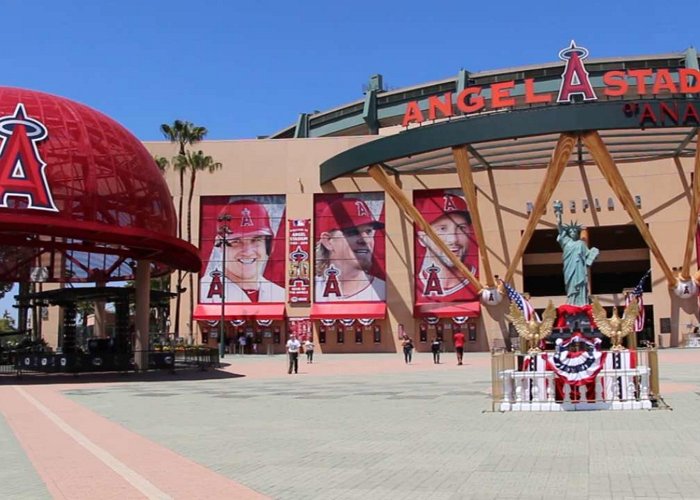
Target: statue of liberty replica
577 258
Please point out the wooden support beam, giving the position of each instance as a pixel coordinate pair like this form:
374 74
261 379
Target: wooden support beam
607 166
466 179
555 169
379 175
693 218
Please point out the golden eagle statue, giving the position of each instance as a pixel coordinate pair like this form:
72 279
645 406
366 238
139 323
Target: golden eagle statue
616 328
532 331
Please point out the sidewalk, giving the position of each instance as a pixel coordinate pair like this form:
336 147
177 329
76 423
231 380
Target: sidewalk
347 426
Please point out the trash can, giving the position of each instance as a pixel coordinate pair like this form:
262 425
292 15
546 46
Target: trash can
664 340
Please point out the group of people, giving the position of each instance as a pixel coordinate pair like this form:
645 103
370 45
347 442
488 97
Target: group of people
296 347
435 347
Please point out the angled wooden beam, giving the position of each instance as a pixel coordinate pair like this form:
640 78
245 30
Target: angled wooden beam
466 179
693 218
555 169
379 175
607 166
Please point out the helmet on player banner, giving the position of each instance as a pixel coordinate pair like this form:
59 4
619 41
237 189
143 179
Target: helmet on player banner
344 214
445 204
248 218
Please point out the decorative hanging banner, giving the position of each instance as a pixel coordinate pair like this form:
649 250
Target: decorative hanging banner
327 322
264 322
460 320
347 322
238 322
301 327
365 321
299 282
576 360
432 320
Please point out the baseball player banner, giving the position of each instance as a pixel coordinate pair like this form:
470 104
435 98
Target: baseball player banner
349 248
299 283
436 278
243 251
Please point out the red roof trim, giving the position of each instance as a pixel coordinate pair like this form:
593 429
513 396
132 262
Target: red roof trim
239 311
349 310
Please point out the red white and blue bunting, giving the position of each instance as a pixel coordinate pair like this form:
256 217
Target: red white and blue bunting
328 322
432 320
365 321
576 360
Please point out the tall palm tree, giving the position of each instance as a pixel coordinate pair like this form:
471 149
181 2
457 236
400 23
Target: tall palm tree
185 134
196 162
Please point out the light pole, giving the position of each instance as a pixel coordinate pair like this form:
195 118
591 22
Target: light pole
223 242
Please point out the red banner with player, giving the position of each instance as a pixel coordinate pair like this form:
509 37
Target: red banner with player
436 278
245 236
349 248
301 327
299 283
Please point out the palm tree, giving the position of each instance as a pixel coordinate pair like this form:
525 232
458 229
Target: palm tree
185 134
196 162
162 162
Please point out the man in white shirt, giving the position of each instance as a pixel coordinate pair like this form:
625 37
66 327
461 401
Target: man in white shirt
293 346
249 239
344 253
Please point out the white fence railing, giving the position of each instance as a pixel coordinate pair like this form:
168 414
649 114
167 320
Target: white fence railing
615 387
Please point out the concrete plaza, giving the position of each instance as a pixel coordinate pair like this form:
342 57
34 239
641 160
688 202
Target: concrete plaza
348 426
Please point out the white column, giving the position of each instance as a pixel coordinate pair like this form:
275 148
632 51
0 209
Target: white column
143 306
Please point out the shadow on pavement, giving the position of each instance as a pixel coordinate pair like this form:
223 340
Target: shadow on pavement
36 378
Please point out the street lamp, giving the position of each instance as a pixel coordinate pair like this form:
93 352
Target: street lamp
223 242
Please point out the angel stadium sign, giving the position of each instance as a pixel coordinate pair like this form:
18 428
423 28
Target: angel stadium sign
575 86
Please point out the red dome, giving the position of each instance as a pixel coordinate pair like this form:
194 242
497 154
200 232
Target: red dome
79 194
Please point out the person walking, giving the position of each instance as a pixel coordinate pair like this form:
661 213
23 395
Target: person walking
293 346
407 345
309 350
436 346
458 339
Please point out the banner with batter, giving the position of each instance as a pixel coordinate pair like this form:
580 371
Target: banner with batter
245 236
436 278
299 283
349 248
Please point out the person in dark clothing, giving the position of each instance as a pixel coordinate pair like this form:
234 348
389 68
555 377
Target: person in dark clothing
436 346
407 345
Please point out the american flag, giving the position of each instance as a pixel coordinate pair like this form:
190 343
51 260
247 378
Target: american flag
638 292
521 302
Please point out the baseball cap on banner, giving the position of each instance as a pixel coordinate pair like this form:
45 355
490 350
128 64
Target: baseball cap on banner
248 218
344 214
434 207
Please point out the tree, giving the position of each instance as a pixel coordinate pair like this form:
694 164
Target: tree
7 323
185 134
5 288
196 162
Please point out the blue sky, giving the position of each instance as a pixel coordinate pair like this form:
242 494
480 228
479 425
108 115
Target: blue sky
248 68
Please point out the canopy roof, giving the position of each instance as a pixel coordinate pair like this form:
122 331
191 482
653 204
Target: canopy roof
81 199
523 138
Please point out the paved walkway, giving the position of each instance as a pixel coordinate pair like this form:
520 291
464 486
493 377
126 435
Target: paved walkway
347 426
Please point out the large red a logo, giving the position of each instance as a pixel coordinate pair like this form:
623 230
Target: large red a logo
22 170
574 80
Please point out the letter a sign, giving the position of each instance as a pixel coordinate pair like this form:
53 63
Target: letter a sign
22 170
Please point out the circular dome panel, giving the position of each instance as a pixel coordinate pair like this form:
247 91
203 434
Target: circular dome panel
80 197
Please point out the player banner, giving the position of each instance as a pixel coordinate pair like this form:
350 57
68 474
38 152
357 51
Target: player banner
349 260
245 236
436 278
299 282
301 327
